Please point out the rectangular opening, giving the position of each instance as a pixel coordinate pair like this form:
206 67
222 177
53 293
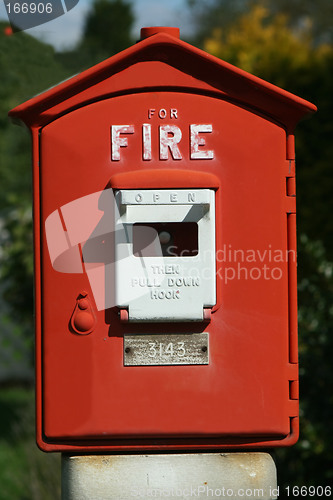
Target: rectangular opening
167 239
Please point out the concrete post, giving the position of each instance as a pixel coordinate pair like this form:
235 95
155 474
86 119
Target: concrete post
206 475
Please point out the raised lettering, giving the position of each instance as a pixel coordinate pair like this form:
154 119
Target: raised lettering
169 269
146 139
145 282
197 141
170 136
185 281
165 294
162 113
118 142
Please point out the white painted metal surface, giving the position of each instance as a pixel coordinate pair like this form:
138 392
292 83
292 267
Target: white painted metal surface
155 285
124 477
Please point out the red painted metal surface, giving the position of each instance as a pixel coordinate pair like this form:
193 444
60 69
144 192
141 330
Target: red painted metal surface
247 395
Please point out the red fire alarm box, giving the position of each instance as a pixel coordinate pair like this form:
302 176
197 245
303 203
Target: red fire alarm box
165 254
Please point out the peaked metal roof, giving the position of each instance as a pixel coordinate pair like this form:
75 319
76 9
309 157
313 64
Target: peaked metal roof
163 62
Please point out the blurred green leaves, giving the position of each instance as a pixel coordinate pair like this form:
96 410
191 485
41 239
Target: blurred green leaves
264 45
107 28
107 31
26 473
28 67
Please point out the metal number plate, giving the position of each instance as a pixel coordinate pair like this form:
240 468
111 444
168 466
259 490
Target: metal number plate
166 349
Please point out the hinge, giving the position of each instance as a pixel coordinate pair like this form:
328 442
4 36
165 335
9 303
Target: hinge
293 408
290 206
293 382
292 286
290 147
291 186
293 390
290 170
292 371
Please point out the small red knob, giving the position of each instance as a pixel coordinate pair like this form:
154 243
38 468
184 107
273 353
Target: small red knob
83 319
83 304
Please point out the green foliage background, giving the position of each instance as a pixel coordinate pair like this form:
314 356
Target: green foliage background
287 43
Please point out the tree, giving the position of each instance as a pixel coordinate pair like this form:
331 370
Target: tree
223 13
318 15
107 28
211 14
107 31
262 46
27 67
